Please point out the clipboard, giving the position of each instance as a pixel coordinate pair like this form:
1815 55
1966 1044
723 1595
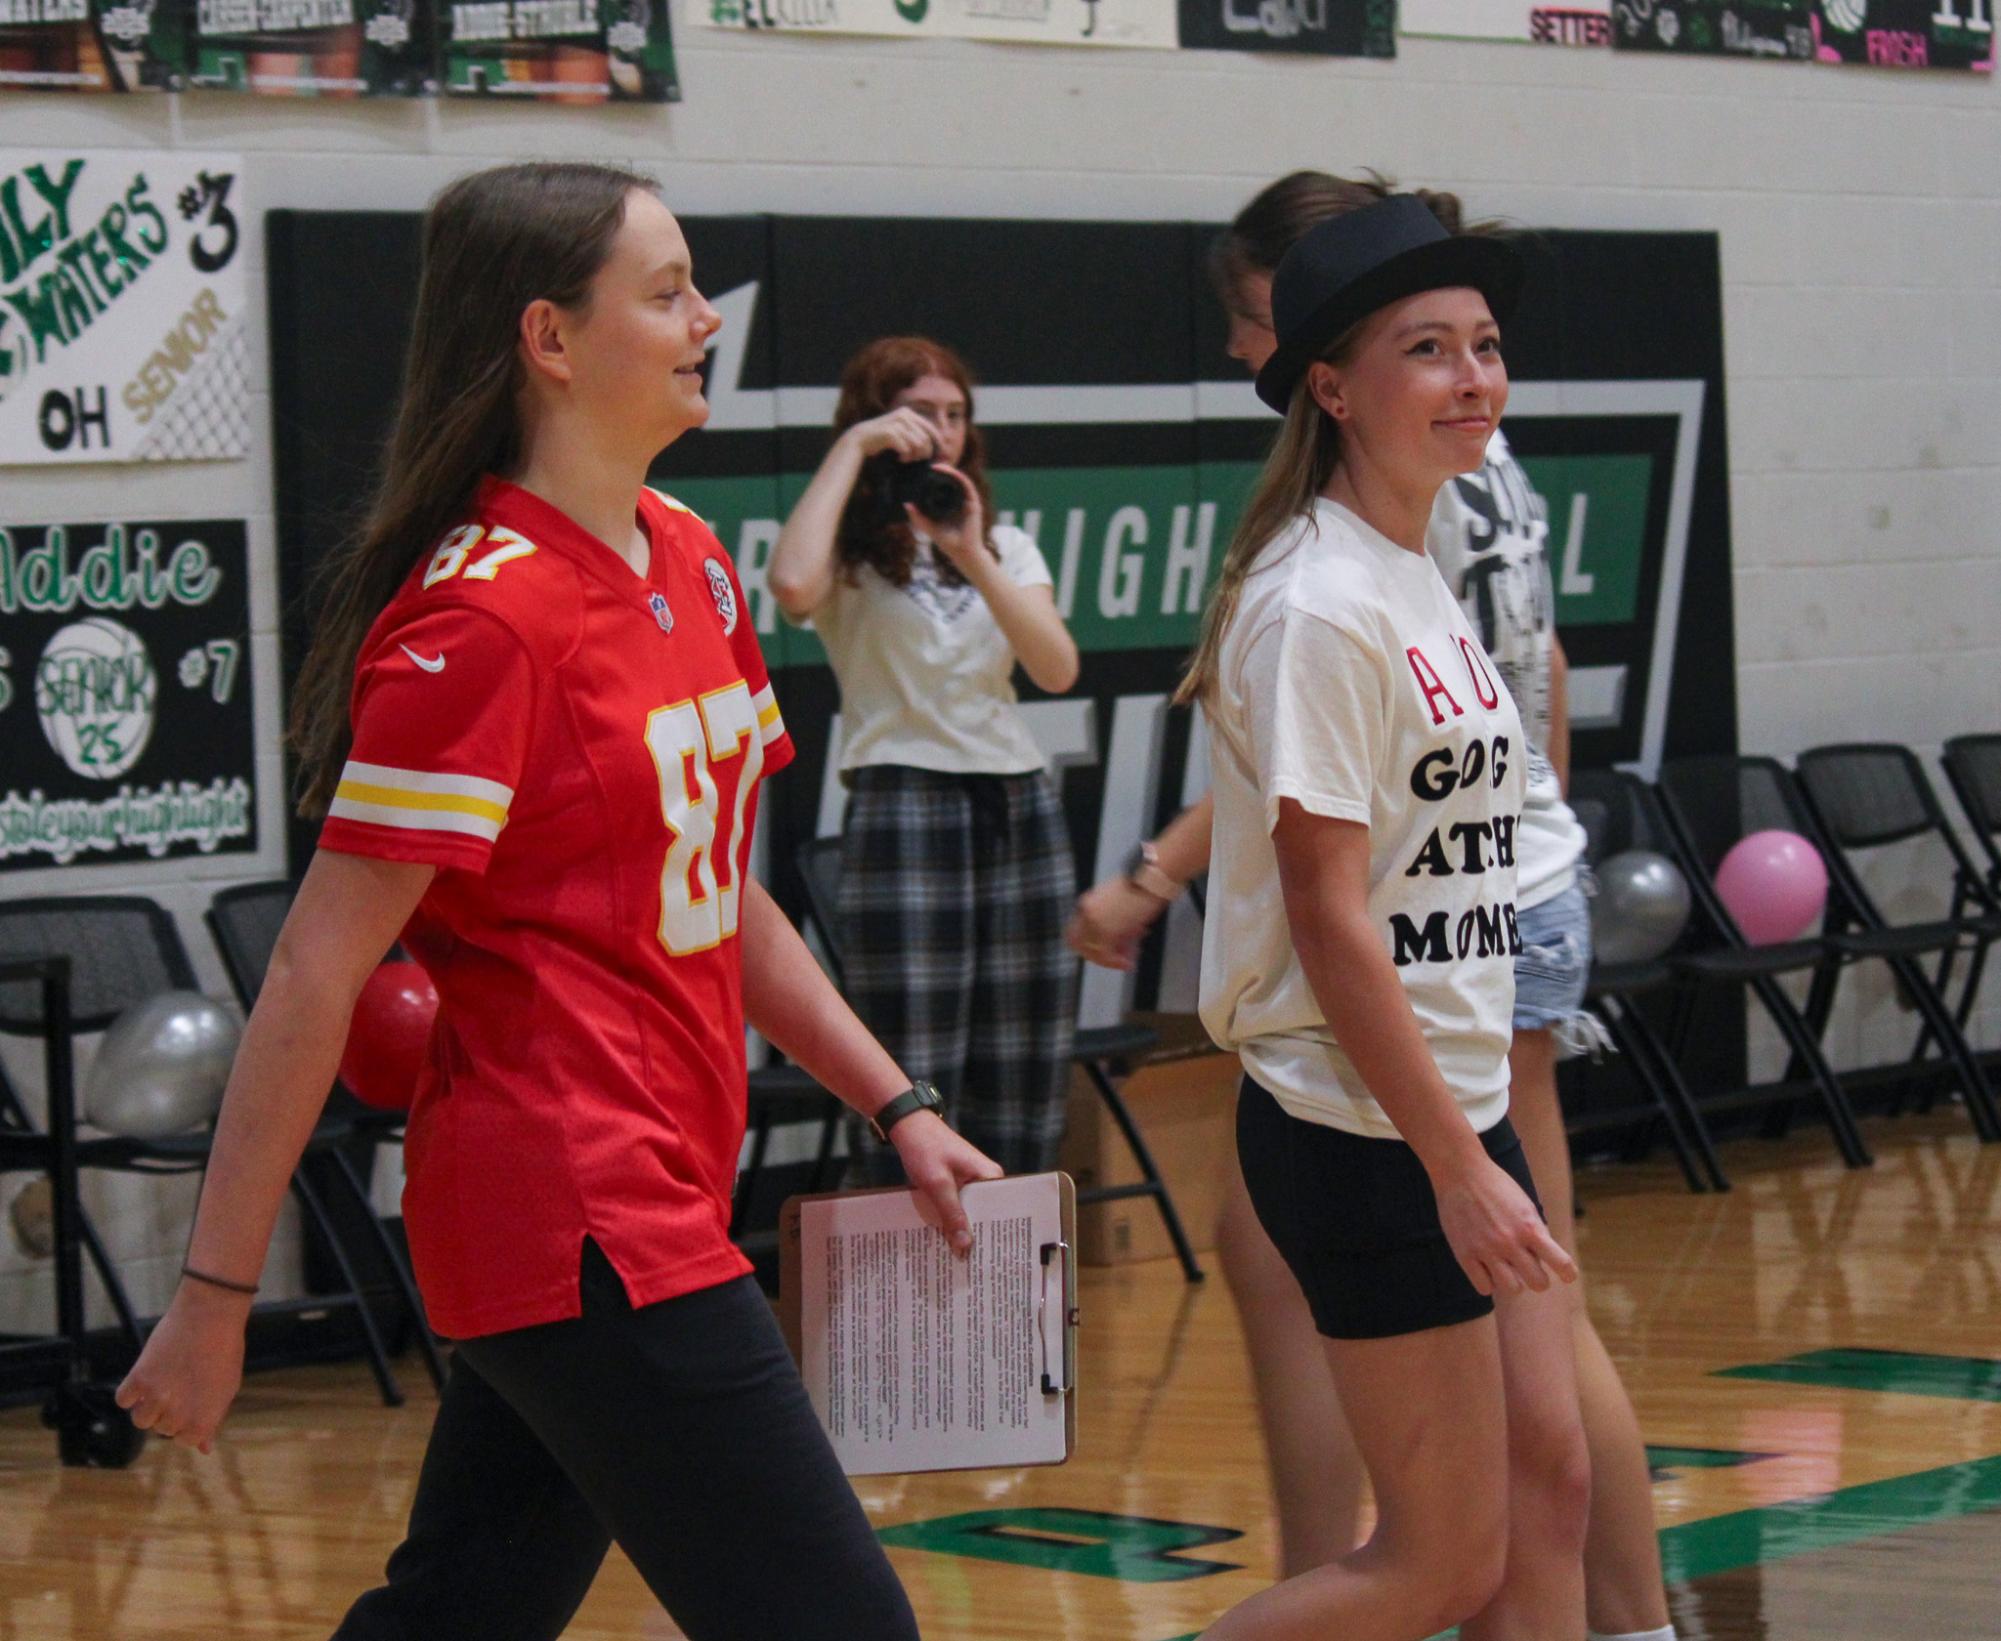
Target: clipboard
922 1361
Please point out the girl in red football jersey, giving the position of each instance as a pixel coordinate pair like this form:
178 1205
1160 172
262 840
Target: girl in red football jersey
536 717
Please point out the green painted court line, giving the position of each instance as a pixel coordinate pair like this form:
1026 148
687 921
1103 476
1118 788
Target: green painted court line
1827 1521
1667 1461
1905 1373
1095 1543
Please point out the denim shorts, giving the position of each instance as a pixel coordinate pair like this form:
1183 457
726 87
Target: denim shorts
1555 962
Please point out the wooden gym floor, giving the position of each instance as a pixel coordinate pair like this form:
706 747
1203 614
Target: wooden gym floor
1812 1357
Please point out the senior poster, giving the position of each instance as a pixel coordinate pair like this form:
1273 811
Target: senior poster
122 306
1030 22
1329 28
90 45
1584 23
1781 30
125 699
558 51
313 48
1956 34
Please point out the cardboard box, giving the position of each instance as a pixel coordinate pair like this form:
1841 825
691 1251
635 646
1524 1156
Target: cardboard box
1184 1099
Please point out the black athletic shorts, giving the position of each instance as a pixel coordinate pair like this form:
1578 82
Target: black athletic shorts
1357 1222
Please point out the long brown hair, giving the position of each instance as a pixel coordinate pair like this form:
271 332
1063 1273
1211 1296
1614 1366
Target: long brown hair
870 382
494 242
1308 450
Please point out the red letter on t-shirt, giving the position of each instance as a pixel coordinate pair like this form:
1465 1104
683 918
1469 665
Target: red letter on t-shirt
1483 681
1433 686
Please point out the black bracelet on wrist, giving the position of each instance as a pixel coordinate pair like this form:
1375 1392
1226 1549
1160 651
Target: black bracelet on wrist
219 1282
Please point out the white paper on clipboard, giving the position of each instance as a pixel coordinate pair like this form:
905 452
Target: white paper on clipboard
916 1359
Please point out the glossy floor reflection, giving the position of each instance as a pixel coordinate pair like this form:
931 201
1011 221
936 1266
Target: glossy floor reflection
1812 1357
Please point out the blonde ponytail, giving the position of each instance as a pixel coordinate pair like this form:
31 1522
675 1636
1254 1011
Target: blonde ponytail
1297 470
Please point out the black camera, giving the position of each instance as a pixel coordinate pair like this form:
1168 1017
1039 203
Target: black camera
937 496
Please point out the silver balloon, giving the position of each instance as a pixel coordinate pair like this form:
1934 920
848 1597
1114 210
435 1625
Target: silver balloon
1640 909
161 1067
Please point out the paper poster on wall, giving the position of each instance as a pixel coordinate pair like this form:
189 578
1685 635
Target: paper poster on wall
313 48
1330 28
125 698
558 51
1032 22
1581 24
1906 33
1778 29
90 45
122 307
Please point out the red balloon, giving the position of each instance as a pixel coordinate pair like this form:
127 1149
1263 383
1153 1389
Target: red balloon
389 1036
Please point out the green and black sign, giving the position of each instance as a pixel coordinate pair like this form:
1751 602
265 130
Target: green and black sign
125 701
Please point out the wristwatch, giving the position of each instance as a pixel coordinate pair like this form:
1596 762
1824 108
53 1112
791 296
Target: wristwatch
917 1097
1144 873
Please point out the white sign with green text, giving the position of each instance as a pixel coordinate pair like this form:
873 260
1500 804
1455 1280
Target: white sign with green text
1033 22
122 302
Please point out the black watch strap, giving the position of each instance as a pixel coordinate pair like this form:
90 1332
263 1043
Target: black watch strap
917 1097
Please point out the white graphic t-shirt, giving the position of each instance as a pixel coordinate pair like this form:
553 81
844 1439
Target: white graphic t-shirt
1351 682
1490 540
926 674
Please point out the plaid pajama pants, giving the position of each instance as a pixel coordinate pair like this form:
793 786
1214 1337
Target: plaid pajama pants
954 893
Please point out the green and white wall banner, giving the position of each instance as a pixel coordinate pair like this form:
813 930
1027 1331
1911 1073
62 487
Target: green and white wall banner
1032 22
125 701
1584 23
122 305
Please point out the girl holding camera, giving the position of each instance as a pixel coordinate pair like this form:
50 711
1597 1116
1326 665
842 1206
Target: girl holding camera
956 869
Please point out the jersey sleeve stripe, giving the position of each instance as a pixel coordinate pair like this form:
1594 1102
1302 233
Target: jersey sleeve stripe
423 780
770 725
345 806
389 797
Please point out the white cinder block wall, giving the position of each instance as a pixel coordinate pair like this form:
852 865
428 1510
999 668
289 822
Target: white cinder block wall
1860 214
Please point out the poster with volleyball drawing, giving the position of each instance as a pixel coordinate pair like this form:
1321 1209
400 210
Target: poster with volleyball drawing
1957 34
558 51
125 698
122 306
91 45
313 48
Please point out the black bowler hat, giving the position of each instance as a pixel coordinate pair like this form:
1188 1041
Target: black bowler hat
1340 272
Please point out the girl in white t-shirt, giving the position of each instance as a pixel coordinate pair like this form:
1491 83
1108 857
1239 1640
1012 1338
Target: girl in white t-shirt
1368 771
956 868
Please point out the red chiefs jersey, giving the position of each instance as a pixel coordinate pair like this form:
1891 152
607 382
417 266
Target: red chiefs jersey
577 749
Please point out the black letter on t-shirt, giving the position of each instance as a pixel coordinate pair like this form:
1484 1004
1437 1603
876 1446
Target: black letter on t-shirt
1414 945
1431 858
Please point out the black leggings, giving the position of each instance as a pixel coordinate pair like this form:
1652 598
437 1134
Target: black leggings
682 1432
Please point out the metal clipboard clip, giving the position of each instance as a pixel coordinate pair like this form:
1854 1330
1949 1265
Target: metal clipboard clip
1059 1271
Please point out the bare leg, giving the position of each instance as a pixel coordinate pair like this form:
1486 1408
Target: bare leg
1549 1477
1432 1426
1316 1473
1622 1558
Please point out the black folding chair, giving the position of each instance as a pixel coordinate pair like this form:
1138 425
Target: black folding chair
122 950
1866 796
1618 814
245 921
1711 804
1973 767
1101 1052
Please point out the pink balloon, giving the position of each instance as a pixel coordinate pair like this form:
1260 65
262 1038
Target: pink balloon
1774 884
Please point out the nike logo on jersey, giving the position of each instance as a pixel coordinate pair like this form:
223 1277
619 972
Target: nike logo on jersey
429 666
